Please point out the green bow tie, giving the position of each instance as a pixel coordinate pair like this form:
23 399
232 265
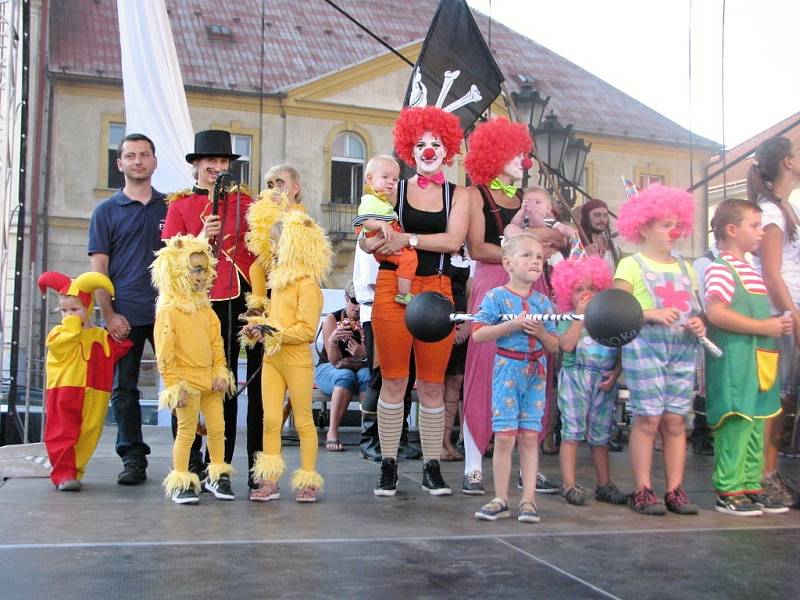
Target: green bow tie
508 190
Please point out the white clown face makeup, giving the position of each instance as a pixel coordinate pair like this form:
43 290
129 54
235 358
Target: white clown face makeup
513 169
429 153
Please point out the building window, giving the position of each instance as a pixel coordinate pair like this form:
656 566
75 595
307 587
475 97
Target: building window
242 145
348 155
115 179
648 179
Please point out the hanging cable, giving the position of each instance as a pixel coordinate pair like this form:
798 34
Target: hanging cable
257 187
490 45
691 133
722 108
369 32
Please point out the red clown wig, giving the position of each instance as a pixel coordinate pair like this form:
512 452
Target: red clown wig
653 204
568 275
413 123
492 146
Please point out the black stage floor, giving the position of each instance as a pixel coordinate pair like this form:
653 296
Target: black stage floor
110 541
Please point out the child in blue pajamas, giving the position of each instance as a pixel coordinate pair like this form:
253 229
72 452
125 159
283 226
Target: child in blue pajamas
518 382
659 365
587 385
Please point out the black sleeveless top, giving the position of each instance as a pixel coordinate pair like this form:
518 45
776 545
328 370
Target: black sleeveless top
494 215
338 315
422 222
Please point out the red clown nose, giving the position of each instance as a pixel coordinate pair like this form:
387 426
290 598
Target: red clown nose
674 234
527 163
429 154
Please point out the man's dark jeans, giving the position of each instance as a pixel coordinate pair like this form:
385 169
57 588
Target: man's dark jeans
125 400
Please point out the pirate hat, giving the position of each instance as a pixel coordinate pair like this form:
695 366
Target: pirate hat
211 143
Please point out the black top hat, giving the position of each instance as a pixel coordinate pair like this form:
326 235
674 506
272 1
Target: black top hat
212 143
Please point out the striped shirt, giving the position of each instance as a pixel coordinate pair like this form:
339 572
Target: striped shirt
720 283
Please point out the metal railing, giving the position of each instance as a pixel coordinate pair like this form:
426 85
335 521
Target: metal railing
337 218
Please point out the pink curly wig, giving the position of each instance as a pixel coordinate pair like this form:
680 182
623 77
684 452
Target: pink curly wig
569 274
652 204
492 145
413 123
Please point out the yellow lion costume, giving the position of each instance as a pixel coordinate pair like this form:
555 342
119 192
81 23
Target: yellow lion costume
191 361
302 259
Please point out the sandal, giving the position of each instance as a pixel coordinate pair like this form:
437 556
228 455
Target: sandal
451 456
334 446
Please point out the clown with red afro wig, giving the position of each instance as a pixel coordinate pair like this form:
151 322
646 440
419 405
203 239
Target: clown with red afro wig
492 146
413 123
569 275
652 204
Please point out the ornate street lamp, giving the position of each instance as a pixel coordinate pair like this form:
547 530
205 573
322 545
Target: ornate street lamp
530 105
574 161
551 141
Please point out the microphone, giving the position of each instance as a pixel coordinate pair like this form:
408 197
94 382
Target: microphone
219 189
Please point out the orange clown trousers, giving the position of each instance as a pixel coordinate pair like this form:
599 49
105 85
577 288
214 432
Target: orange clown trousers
80 375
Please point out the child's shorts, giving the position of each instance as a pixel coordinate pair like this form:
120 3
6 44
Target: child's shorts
518 396
586 410
659 370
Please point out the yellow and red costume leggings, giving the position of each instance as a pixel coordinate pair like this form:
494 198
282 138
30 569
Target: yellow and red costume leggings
75 418
279 374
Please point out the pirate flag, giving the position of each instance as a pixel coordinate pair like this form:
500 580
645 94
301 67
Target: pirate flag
455 69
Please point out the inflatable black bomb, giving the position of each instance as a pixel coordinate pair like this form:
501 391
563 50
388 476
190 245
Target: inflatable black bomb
428 317
613 317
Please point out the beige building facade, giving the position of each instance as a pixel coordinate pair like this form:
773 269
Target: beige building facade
300 129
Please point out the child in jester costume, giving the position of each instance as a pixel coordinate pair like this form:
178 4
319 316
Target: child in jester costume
80 375
302 259
192 364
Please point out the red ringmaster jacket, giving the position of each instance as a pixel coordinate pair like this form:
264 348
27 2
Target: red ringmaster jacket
187 212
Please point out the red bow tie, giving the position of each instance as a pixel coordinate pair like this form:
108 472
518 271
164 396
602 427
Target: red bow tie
423 181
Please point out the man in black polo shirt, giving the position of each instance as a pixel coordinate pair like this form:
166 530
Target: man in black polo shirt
124 232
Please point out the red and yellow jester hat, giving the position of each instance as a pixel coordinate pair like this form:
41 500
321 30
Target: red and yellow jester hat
81 287
413 123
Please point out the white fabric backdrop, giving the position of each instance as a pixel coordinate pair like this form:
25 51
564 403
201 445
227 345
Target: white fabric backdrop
155 101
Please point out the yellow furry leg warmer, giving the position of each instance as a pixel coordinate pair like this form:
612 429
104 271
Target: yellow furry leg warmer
302 480
268 467
215 470
180 480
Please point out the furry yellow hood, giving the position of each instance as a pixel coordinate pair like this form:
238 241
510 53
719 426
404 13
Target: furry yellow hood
303 250
170 273
261 216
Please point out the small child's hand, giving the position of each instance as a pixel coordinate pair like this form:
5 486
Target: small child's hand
665 316
219 384
388 231
462 333
583 303
609 378
183 399
777 326
252 331
518 323
696 326
533 328
565 230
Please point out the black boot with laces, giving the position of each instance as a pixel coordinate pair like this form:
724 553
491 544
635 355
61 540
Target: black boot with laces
387 486
432 480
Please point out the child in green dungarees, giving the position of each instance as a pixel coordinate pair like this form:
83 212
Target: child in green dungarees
741 385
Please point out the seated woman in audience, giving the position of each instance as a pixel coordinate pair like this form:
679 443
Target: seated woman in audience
342 369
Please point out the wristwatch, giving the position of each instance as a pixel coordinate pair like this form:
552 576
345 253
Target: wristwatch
413 241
